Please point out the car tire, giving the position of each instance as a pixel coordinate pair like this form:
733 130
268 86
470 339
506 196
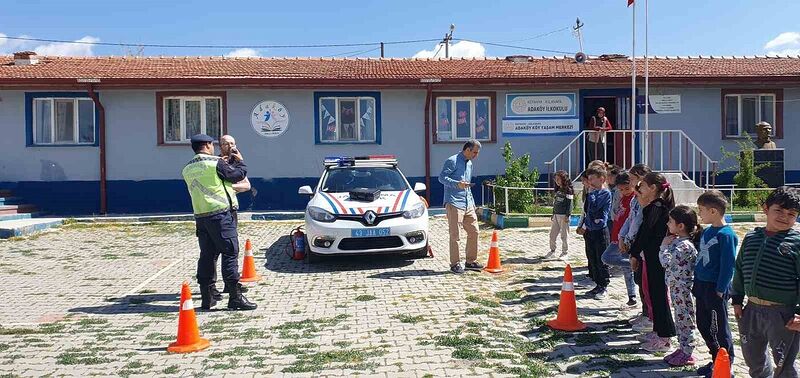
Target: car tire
420 253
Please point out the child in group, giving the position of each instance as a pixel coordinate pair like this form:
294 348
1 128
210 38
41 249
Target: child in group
562 208
712 277
612 255
598 207
767 271
611 179
643 322
678 257
656 198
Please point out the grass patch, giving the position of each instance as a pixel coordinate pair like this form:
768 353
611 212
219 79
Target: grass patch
588 338
508 295
147 291
297 349
354 359
172 369
366 298
237 351
482 301
476 311
380 331
159 314
307 328
80 358
466 353
160 337
294 312
409 319
91 321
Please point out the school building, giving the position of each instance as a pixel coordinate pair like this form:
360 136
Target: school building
90 135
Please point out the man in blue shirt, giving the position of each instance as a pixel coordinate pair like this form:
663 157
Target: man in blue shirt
460 205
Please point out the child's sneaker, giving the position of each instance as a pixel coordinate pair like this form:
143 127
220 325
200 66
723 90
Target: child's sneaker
646 325
636 319
669 356
563 255
645 337
682 359
707 369
657 344
631 301
550 255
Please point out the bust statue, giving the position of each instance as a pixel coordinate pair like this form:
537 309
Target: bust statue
764 142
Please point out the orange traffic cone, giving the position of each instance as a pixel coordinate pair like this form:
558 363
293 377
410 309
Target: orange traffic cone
722 365
249 265
493 265
189 339
567 319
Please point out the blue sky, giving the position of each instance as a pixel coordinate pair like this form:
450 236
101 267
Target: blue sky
677 27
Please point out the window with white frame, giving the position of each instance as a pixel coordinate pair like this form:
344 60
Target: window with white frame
347 119
463 118
744 111
63 121
185 117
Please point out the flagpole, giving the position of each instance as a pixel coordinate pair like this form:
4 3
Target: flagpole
646 87
633 87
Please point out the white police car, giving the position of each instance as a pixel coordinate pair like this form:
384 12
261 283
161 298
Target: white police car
365 205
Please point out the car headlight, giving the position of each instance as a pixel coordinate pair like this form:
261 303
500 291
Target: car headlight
320 215
415 212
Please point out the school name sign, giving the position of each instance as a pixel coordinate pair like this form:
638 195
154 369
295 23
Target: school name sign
529 114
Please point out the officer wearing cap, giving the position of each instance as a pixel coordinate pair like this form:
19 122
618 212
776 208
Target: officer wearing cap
209 180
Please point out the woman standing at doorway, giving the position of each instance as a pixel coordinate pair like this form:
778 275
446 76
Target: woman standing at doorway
598 126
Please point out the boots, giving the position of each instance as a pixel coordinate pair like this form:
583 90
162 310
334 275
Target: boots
215 293
208 300
242 288
237 301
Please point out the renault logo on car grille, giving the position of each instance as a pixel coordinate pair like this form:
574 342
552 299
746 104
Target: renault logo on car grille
370 216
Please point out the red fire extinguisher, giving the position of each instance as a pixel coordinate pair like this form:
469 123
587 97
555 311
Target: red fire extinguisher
298 244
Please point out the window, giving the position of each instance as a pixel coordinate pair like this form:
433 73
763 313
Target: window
182 115
62 121
462 117
347 117
743 110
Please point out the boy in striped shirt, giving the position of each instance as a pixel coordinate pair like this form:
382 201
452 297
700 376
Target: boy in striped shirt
767 272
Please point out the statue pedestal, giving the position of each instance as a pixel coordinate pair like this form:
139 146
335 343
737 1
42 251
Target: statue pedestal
774 175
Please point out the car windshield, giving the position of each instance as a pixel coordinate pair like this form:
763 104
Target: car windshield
346 179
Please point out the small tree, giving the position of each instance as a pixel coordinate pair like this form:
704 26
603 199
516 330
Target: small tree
746 175
517 174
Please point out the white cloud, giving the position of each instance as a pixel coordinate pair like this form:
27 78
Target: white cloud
8 46
242 53
68 49
784 52
461 49
785 40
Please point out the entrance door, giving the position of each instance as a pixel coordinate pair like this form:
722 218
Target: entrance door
600 151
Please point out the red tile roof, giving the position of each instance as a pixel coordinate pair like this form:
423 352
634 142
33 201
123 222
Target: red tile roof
309 71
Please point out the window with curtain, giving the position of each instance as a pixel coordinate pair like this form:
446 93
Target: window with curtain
347 119
66 121
186 116
744 111
463 118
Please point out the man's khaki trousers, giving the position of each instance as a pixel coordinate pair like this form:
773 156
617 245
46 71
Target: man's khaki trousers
469 221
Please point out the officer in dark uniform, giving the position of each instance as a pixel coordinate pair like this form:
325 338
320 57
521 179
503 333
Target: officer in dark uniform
209 180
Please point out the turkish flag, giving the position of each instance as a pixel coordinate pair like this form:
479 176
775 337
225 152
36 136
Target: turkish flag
630 2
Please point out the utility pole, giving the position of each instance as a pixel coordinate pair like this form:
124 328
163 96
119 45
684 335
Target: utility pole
381 49
577 31
447 38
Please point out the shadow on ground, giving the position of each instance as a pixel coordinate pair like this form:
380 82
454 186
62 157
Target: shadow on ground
134 304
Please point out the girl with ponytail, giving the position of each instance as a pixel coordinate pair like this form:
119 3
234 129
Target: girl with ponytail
678 256
655 197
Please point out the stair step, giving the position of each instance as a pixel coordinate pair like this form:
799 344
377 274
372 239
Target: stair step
17 209
7 217
22 227
9 201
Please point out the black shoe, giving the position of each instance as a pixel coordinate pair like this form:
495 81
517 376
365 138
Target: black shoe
242 289
594 291
215 293
706 370
457 269
631 301
237 301
473 266
208 301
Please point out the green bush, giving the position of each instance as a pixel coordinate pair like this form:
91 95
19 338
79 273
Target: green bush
517 174
746 175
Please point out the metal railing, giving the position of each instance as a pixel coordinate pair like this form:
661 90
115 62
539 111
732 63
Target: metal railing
667 151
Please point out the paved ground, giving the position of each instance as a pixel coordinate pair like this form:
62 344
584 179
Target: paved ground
103 299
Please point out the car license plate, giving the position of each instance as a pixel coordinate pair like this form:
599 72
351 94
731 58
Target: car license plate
369 232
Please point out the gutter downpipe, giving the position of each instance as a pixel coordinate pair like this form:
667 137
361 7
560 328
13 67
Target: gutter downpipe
102 136
428 96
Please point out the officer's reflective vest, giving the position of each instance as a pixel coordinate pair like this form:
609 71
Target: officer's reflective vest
210 194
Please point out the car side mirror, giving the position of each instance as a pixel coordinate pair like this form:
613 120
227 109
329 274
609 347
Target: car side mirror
305 190
420 187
